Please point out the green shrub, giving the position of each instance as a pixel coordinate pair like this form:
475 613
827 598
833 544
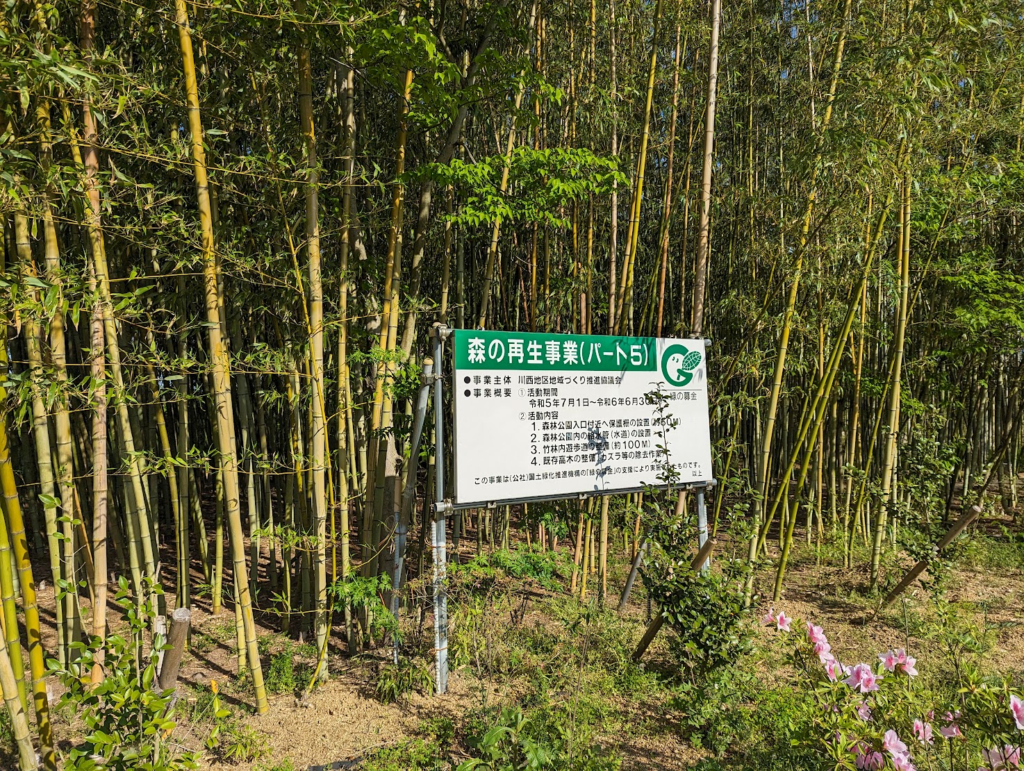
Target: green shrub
240 743
741 722
127 722
413 755
706 611
280 675
538 741
396 681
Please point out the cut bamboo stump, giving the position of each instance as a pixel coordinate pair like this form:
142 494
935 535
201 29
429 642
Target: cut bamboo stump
658 621
181 619
958 527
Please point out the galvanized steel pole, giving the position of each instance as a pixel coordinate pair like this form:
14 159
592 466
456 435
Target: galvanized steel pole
439 332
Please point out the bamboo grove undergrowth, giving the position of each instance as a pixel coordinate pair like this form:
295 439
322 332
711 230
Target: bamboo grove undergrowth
227 228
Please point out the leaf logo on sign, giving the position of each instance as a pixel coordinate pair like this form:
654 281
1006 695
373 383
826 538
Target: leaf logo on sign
678 363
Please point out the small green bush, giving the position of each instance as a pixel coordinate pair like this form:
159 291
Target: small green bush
536 741
280 675
396 681
413 755
127 721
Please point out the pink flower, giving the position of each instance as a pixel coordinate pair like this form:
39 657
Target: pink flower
1017 708
1012 756
923 731
783 622
1000 759
1006 758
891 743
824 651
864 713
871 761
901 655
888 660
833 669
769 617
909 666
994 757
816 634
901 762
866 758
950 731
863 679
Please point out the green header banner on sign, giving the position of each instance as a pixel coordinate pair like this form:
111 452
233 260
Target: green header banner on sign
539 352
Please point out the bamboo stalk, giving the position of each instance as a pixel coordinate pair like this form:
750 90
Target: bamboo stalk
218 357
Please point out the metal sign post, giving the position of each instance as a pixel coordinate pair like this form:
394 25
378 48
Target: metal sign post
440 333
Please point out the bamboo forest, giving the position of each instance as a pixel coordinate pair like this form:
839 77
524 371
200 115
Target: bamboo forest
242 241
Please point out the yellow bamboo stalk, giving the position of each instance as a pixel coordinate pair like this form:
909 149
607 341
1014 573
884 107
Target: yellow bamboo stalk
41 431
9 686
318 427
219 357
624 320
894 393
33 629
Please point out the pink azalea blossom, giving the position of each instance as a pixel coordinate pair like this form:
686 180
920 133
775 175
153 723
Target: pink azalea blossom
909 665
1017 708
923 732
863 679
950 731
1012 756
816 634
769 617
994 757
864 713
824 651
891 743
783 622
1000 759
866 758
901 762
901 655
888 660
833 669
872 761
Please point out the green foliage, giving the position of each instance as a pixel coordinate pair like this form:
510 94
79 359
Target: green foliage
520 562
429 752
539 182
127 721
284 765
280 675
984 552
734 714
412 755
396 681
516 741
366 593
241 743
706 609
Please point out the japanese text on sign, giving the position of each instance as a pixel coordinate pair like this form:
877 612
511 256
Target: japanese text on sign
548 416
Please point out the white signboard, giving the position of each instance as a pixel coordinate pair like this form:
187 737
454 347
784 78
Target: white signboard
552 416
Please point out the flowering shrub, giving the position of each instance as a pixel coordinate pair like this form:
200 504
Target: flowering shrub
877 716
